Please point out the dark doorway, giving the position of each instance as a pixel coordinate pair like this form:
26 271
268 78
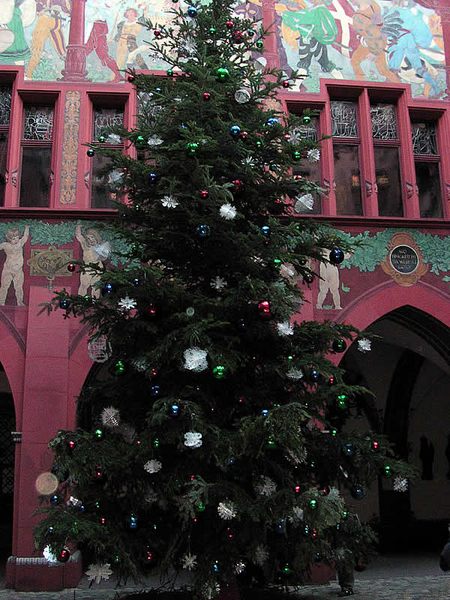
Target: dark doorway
7 425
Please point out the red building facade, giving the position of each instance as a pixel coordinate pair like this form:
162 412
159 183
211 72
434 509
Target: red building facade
377 75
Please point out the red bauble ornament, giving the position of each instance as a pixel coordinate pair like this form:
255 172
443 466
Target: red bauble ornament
71 267
151 311
243 135
98 473
230 534
229 24
204 194
264 309
157 33
64 555
331 380
325 490
102 520
297 489
238 37
206 96
131 78
375 445
238 184
154 373
72 444
286 84
149 556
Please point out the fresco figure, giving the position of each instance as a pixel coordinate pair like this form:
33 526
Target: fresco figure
413 36
15 15
317 30
98 42
95 251
368 24
128 50
329 281
13 268
50 16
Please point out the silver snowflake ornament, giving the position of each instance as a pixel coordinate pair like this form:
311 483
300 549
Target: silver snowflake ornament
195 359
169 202
98 572
189 561
126 304
295 374
110 417
218 283
239 567
153 466
114 138
226 510
49 556
266 486
227 211
154 140
296 515
400 484
364 345
249 161
260 555
285 328
313 155
193 439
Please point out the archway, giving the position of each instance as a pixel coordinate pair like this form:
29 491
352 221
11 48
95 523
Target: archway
7 426
408 370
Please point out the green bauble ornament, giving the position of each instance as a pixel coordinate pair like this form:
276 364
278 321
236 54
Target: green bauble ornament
387 470
259 143
306 119
90 152
212 30
260 45
342 401
156 443
222 74
98 433
200 506
296 155
102 139
345 514
339 345
219 371
140 139
271 443
119 367
312 503
169 72
192 148
333 431
286 569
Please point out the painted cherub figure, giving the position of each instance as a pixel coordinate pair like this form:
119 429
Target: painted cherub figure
13 268
95 251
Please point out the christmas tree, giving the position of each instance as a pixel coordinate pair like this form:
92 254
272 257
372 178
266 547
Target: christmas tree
216 442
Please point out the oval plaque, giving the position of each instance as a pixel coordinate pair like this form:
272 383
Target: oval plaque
404 259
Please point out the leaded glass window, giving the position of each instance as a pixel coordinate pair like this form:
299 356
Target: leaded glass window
424 138
38 123
344 119
106 120
5 104
384 122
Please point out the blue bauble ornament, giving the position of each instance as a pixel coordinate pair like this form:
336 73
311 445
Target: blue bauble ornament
265 230
265 412
203 230
215 567
192 12
336 256
155 390
174 410
358 492
55 499
64 303
108 288
349 449
235 130
153 177
136 282
133 521
272 121
314 375
280 527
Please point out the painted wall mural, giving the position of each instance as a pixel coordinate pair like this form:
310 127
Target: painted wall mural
376 40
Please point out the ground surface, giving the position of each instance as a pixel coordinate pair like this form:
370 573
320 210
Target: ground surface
399 577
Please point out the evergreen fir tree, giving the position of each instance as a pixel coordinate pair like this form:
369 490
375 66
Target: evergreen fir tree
216 443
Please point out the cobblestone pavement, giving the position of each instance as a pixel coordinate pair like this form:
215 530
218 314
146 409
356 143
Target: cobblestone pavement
412 578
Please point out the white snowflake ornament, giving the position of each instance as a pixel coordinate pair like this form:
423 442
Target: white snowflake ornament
260 555
239 567
110 417
153 466
98 572
195 359
218 283
189 561
227 211
285 328
294 374
49 556
193 439
313 155
113 138
304 203
364 345
266 486
287 270
297 514
154 140
226 510
400 484
141 364
169 202
126 304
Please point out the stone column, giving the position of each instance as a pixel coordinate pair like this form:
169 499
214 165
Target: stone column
75 67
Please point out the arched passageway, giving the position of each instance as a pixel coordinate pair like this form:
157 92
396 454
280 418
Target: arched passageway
7 425
408 370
